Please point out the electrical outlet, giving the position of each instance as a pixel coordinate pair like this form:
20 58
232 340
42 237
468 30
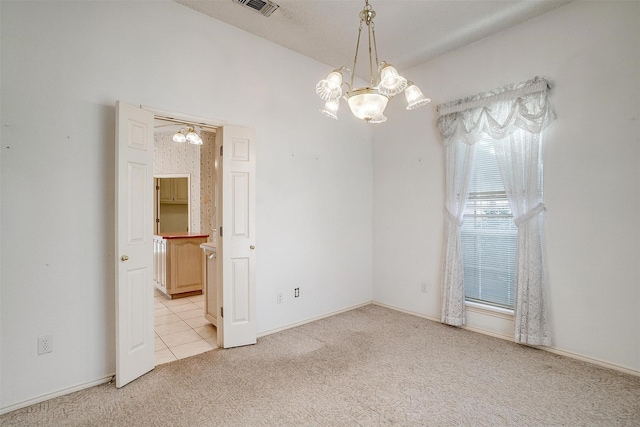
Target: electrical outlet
296 292
423 287
279 298
45 344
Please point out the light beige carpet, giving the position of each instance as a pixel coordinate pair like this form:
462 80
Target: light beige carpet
368 367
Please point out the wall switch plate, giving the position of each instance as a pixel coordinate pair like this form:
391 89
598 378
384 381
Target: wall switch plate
423 287
45 344
279 298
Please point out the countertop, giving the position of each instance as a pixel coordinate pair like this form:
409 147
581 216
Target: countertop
182 235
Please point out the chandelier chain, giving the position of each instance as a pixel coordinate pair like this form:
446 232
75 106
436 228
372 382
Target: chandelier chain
370 58
375 48
355 58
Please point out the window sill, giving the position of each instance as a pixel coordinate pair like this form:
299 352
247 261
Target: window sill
502 313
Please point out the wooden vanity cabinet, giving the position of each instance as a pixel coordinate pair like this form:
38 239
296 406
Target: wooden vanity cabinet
178 263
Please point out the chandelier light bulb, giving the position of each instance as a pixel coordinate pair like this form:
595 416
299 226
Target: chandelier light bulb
330 88
330 109
179 136
391 83
414 96
193 137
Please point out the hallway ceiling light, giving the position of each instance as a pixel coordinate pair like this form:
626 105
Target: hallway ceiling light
187 134
368 103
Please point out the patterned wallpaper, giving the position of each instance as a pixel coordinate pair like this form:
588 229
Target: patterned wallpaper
207 185
173 157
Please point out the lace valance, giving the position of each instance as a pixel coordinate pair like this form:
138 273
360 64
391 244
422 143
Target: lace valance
497 114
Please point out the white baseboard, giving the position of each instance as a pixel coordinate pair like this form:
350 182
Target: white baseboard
313 319
402 310
592 360
551 349
106 379
554 350
56 393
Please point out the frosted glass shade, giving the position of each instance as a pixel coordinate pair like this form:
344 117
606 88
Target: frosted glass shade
367 103
380 119
330 88
414 96
330 109
179 137
391 83
194 138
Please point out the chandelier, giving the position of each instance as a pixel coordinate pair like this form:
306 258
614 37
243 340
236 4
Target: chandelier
187 134
368 103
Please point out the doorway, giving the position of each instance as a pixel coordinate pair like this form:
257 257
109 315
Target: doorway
235 278
183 205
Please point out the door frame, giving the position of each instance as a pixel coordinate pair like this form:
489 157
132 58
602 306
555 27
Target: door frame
181 118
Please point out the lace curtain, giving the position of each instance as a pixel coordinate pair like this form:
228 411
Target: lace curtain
459 160
513 117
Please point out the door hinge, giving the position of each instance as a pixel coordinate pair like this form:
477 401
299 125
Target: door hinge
157 187
221 311
157 220
220 231
221 150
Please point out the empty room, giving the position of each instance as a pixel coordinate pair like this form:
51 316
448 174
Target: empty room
395 212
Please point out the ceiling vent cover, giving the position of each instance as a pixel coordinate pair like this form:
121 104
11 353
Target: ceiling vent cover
264 7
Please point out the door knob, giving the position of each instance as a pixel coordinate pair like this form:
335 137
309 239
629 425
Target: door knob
252 247
124 258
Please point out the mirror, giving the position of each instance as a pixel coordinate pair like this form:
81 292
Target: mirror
171 203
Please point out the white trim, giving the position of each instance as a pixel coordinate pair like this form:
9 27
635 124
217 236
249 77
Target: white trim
488 332
313 319
554 350
413 313
489 310
186 118
589 359
54 394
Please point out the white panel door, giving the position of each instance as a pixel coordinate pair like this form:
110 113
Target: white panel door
236 250
134 243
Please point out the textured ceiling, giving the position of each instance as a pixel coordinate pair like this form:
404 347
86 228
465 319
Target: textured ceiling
408 32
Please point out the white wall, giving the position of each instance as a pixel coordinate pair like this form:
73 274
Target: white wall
64 64
591 53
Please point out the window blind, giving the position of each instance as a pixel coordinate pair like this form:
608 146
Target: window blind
489 236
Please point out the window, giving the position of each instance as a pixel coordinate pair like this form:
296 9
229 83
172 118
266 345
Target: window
489 235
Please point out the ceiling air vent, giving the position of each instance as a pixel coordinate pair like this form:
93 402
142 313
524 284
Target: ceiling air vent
264 7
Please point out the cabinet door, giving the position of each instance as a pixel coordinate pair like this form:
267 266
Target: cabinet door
180 190
166 191
210 288
186 265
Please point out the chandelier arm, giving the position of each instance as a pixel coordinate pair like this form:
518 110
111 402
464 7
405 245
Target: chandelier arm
347 69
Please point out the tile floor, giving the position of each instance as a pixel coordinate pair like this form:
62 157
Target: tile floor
180 328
